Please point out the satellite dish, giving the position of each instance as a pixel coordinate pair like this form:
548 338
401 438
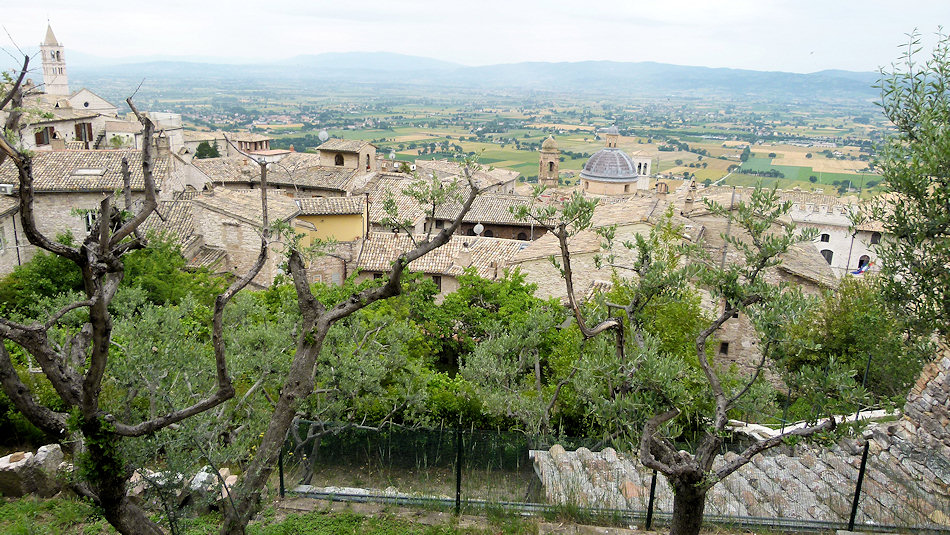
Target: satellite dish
479 228
323 135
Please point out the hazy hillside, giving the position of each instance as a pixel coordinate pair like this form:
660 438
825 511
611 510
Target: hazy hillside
593 77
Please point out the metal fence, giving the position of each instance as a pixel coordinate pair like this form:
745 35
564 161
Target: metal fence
465 469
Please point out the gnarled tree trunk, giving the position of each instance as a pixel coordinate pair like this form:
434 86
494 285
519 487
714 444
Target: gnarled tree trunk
689 502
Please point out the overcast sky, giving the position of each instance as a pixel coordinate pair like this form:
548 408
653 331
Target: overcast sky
786 35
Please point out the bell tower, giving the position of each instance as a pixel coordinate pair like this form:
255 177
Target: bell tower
54 65
550 161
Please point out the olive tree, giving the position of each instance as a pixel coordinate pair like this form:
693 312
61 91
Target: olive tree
914 164
699 393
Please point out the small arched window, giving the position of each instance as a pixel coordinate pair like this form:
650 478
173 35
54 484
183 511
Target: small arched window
488 233
828 254
338 159
863 261
875 238
550 167
367 162
826 238
522 236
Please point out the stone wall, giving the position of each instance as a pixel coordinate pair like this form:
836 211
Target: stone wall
906 483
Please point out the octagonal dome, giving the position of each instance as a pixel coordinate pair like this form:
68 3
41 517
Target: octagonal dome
610 164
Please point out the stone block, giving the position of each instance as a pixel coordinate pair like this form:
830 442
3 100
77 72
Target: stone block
14 477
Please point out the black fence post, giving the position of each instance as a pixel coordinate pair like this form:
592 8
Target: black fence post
458 471
280 469
649 523
857 488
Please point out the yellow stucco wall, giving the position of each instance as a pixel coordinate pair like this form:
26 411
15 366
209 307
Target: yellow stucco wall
325 227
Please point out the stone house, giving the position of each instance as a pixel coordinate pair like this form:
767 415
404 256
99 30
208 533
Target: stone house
349 154
488 257
68 188
220 230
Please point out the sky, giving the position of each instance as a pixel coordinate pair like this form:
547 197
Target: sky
774 35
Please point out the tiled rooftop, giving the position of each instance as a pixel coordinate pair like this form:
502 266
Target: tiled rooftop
297 169
100 170
343 145
246 205
489 256
331 205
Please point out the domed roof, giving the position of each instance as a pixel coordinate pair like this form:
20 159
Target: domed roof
612 129
610 164
549 144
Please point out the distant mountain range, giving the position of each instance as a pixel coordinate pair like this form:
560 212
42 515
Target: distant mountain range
630 79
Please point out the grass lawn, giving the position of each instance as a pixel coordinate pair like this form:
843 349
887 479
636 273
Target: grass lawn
59 516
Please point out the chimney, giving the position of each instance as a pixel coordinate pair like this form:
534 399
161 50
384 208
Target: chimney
662 189
57 143
292 149
162 145
464 257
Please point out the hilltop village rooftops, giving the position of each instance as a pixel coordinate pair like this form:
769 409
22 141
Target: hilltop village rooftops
801 261
488 256
488 206
483 178
86 171
297 169
246 205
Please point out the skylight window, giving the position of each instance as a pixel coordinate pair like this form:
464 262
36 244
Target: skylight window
88 171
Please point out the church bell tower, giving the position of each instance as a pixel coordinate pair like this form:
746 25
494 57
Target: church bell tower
548 171
55 81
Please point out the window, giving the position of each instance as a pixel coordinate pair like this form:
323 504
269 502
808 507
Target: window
522 236
875 238
828 254
488 233
826 238
338 159
626 188
377 276
724 348
90 219
863 261
470 232
44 135
550 167
439 223
367 162
438 281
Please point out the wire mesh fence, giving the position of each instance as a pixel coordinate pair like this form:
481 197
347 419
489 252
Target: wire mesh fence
808 489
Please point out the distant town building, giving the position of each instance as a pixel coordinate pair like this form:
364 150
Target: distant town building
610 171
